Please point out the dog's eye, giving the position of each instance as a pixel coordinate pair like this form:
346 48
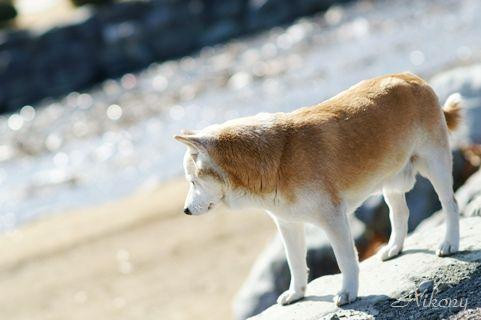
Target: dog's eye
193 183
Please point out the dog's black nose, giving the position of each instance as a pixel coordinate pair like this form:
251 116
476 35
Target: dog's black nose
187 211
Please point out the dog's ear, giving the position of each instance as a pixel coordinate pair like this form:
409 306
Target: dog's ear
195 141
188 132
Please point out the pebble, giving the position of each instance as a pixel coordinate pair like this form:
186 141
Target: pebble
426 286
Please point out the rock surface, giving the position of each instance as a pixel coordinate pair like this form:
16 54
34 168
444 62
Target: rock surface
388 290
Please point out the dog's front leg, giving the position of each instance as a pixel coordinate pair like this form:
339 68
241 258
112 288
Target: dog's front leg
337 230
292 234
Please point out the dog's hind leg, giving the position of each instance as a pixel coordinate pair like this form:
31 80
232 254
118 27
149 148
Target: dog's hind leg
292 234
393 190
399 215
436 165
336 227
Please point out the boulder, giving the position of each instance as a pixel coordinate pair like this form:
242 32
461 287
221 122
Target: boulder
416 285
469 196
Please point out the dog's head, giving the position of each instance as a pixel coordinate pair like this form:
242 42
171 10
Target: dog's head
206 182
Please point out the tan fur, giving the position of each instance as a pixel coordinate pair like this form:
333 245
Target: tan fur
317 164
202 172
354 139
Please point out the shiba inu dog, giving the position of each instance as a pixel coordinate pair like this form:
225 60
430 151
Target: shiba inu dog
318 164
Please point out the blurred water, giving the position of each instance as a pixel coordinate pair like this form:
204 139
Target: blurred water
102 144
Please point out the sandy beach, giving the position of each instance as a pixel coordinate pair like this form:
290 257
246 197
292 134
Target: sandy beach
137 258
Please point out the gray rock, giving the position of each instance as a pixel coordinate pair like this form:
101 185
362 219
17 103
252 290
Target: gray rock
469 196
442 287
426 286
385 286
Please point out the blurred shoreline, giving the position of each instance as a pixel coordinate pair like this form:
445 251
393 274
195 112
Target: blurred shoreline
122 260
104 144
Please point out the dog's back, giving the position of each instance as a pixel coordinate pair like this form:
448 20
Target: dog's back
368 132
346 145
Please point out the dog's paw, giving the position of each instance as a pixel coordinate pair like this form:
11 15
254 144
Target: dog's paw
344 297
290 296
447 248
389 252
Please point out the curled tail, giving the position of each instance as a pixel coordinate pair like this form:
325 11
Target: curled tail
452 111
